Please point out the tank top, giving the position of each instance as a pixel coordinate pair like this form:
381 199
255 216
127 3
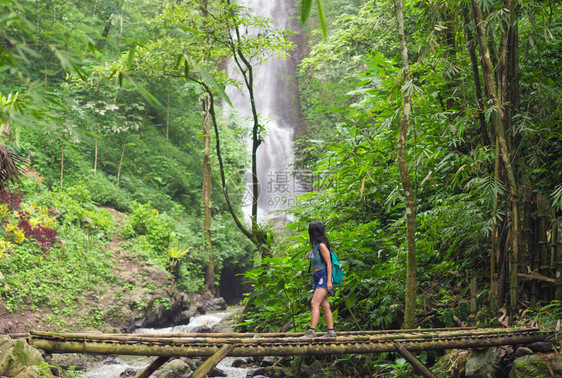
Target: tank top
316 258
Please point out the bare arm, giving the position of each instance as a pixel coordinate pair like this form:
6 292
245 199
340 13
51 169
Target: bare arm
328 259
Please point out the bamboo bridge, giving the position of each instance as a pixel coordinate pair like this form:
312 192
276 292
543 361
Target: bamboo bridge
216 346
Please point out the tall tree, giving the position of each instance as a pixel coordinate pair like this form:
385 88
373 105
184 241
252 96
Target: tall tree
404 125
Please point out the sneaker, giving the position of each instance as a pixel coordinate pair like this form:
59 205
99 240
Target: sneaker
330 333
310 334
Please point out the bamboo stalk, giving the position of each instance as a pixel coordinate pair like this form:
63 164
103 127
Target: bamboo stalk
301 347
417 365
212 361
537 276
255 335
154 365
284 340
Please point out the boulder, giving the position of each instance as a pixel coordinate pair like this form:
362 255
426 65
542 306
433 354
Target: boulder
216 304
275 371
541 347
175 369
523 351
17 356
483 364
452 364
529 366
315 369
184 317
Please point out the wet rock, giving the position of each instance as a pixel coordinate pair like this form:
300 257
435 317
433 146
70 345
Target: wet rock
266 362
216 304
257 373
529 366
315 369
129 372
275 371
175 369
240 363
191 363
541 347
70 362
201 309
202 329
184 317
216 372
523 351
483 364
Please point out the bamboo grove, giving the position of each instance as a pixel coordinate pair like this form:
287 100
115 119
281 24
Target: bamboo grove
477 97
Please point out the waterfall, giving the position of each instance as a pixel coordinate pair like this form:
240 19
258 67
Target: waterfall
276 94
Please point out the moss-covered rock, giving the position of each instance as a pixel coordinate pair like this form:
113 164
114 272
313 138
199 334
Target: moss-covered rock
483 363
17 356
529 366
175 369
452 364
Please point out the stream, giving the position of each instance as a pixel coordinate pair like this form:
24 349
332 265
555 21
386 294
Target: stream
114 366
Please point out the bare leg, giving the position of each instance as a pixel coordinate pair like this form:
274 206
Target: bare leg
319 296
327 313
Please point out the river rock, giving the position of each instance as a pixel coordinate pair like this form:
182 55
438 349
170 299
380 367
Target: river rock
175 369
16 356
275 371
452 364
315 369
523 351
240 363
184 317
216 304
483 364
529 366
541 347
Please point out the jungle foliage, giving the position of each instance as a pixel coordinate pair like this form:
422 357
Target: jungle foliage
474 223
104 98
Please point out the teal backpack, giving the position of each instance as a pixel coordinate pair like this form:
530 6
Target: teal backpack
338 274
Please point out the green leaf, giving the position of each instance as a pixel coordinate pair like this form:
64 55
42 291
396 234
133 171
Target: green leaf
210 80
322 18
131 56
305 10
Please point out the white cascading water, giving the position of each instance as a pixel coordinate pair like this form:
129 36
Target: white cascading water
276 96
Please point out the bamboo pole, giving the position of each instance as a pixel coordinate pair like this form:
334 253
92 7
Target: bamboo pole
416 364
558 262
212 361
287 348
154 365
138 337
356 337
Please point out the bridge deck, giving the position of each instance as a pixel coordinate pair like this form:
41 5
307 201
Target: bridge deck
282 344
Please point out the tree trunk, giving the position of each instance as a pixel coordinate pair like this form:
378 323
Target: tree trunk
410 301
207 245
95 157
237 221
495 100
542 236
121 161
496 250
558 262
61 166
484 135
168 110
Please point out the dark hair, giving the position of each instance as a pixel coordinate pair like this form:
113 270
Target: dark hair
317 234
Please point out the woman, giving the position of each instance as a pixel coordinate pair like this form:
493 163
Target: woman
321 279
